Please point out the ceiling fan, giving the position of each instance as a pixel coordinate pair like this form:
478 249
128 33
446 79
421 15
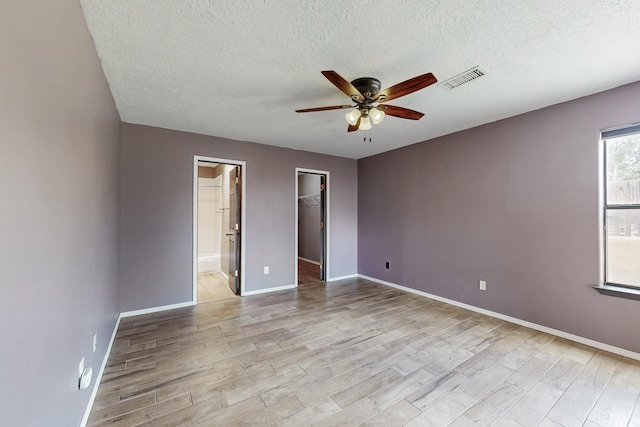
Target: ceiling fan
369 99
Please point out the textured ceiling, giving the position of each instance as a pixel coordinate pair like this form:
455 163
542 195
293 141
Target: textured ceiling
238 69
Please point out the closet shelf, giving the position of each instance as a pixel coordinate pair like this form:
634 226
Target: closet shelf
311 200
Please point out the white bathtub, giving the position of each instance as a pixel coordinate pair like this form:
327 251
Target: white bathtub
208 263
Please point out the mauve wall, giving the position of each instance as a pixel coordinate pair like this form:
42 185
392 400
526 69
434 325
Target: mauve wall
514 203
58 224
157 212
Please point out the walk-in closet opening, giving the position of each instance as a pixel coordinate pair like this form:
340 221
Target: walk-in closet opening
312 225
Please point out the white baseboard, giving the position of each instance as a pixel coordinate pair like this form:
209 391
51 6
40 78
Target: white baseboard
349 276
156 309
226 276
265 291
309 260
556 332
98 379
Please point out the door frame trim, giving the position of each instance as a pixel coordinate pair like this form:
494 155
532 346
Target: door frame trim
327 264
243 220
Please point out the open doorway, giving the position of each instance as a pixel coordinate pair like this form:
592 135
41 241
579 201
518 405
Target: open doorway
217 233
311 225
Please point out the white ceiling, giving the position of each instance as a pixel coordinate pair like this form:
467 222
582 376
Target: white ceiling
238 69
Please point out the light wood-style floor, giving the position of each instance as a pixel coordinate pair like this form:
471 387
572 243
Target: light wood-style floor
308 272
213 287
355 353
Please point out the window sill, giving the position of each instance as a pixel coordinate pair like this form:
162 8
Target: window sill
618 291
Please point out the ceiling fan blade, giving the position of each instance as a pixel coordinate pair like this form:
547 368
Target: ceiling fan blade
355 127
406 87
346 87
403 113
333 107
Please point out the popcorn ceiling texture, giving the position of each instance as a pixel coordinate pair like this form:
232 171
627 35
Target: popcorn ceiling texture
239 69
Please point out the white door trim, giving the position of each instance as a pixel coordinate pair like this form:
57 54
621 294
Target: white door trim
327 192
243 219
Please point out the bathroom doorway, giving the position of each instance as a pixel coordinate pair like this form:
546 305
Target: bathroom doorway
218 233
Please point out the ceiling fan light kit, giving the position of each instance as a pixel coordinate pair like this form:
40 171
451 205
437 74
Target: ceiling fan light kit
365 122
352 117
366 93
376 114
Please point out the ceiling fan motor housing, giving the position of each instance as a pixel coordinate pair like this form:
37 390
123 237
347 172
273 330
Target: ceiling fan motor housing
368 86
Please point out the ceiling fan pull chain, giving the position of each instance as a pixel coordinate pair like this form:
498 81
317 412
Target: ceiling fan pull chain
365 136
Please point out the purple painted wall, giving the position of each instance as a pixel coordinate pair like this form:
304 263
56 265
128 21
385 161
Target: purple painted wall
156 212
514 203
58 224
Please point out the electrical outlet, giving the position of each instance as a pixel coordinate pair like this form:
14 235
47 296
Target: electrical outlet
266 269
95 342
482 285
386 265
80 368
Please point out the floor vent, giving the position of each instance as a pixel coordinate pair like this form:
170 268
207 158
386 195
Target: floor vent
466 77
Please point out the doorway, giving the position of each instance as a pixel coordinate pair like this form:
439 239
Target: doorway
311 226
218 249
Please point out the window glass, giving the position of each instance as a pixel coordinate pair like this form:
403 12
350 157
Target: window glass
623 170
623 246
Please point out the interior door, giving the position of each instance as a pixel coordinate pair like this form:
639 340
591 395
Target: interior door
323 228
234 229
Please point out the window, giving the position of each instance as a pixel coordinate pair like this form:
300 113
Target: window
622 206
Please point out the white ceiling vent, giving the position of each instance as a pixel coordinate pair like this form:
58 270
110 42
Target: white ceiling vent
462 78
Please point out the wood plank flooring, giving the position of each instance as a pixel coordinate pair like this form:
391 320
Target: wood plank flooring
355 353
308 272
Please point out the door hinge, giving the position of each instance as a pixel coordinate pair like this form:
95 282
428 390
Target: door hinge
322 187
237 180
322 225
237 228
236 273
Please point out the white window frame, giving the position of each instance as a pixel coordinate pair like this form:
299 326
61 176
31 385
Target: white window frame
606 207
